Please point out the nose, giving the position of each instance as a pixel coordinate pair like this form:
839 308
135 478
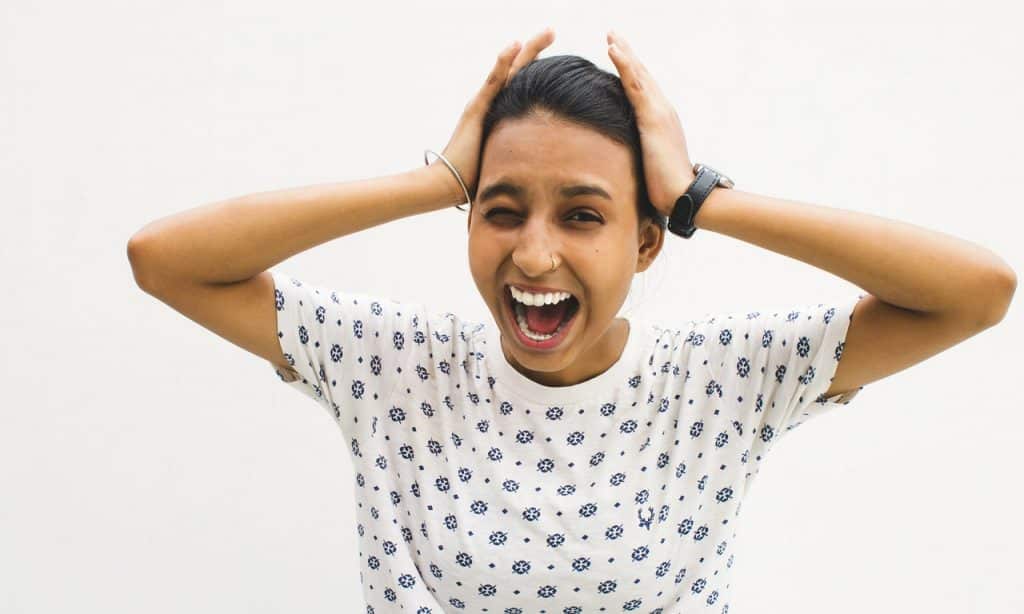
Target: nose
536 252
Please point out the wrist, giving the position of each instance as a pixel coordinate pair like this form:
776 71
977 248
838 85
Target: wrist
687 181
705 192
680 188
445 189
704 218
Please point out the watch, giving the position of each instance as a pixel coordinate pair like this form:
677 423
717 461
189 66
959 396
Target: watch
686 207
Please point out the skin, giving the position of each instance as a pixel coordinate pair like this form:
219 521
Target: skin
594 260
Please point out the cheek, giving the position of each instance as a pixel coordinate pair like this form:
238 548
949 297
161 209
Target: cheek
483 263
608 284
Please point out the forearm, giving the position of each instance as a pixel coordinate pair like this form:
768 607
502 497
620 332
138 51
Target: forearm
902 264
235 239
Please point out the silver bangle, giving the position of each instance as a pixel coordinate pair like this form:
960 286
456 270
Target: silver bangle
452 169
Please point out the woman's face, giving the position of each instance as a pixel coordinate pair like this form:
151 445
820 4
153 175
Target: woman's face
522 217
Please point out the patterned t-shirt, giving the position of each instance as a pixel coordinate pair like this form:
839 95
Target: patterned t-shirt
480 490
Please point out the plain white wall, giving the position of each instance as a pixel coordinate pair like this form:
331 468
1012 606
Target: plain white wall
148 465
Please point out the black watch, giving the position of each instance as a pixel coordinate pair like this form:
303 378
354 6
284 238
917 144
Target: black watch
707 179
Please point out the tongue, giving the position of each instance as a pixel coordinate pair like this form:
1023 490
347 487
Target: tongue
545 319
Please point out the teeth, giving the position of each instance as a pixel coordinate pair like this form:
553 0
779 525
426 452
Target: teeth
528 298
523 326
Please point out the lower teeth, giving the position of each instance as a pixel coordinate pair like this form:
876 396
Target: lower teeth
523 326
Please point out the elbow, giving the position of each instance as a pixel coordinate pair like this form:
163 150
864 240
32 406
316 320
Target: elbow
998 296
132 250
136 259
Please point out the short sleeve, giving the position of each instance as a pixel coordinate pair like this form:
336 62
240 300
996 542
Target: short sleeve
778 366
346 350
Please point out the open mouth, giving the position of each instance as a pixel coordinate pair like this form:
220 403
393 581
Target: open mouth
518 318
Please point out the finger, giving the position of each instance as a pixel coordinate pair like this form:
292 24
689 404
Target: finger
496 78
627 55
636 79
629 78
530 50
620 42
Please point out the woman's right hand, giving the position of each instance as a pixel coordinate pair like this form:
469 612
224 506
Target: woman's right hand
463 149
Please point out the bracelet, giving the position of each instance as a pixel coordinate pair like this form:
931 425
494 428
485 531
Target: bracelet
452 169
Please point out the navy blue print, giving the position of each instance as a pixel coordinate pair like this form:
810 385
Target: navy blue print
480 490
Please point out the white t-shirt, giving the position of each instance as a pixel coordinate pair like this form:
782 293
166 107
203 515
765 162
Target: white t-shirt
480 490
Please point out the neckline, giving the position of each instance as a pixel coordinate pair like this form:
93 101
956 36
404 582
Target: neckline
507 377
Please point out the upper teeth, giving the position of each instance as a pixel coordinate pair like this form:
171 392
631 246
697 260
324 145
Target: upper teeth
529 298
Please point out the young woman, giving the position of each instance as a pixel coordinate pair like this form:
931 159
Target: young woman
562 459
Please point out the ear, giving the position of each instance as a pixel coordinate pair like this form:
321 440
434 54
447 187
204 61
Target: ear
652 236
469 217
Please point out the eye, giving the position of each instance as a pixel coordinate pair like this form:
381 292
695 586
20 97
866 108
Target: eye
496 211
591 216
587 216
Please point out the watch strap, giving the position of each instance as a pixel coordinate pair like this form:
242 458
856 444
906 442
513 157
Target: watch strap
686 207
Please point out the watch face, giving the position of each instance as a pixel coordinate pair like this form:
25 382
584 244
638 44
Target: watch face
723 180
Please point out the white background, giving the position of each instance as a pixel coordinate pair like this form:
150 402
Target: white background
147 465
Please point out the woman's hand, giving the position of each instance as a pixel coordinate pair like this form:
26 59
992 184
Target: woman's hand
667 167
463 149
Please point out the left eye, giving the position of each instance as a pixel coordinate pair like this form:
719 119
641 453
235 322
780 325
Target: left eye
592 217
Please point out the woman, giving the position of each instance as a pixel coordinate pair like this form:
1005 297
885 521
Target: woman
563 459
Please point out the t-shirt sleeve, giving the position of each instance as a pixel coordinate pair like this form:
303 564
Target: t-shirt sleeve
778 366
346 350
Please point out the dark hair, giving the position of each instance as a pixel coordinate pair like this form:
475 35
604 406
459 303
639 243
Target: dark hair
574 89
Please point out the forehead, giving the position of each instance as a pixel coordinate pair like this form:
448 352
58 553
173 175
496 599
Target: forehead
548 153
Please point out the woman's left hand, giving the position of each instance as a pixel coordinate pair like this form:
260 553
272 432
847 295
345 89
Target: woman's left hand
667 167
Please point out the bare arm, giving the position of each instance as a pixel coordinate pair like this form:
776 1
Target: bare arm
210 263
233 240
927 290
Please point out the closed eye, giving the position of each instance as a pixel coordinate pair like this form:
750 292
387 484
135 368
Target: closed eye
502 210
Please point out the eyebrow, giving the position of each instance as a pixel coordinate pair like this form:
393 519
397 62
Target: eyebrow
513 190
